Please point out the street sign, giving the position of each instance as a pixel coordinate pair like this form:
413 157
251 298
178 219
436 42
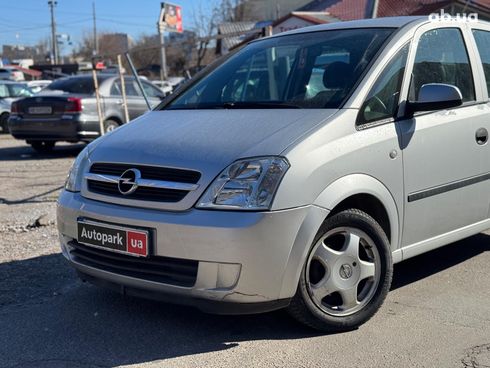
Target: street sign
170 19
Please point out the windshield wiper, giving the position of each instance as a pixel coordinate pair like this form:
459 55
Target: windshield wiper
259 105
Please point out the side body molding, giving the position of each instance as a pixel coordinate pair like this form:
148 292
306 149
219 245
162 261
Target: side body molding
354 184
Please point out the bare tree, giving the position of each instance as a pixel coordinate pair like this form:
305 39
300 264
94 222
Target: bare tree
85 47
206 23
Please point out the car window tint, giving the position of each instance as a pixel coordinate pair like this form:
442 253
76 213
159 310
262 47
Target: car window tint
442 58
482 39
382 100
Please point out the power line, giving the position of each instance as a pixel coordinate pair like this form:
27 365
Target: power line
44 26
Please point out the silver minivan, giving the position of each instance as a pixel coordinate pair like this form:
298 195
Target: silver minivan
294 173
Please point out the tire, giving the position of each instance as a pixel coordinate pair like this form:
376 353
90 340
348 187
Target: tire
110 125
354 288
43 146
4 123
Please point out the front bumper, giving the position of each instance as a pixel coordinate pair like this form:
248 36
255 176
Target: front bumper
251 258
69 127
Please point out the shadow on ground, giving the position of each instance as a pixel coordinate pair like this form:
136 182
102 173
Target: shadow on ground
25 152
49 318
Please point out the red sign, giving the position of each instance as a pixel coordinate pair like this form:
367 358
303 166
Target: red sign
171 18
137 243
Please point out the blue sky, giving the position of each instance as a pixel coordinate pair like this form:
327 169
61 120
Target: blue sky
25 22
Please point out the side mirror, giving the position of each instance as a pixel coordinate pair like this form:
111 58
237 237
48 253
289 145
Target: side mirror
435 96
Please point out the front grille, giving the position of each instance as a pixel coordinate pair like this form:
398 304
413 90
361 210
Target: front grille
148 172
143 193
166 270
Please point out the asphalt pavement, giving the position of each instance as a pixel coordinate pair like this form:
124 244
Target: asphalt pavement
436 315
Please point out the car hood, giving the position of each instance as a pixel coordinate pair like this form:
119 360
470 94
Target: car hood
206 140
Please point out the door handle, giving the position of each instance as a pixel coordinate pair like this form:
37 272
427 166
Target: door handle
481 136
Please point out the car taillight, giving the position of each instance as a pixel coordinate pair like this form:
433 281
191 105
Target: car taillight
14 108
74 105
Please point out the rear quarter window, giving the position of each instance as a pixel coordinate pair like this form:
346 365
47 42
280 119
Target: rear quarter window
73 85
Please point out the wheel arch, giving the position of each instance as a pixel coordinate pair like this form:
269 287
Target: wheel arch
114 118
366 194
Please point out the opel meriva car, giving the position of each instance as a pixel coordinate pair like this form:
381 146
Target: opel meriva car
294 173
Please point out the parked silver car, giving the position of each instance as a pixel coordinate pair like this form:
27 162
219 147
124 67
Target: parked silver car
9 92
248 192
66 110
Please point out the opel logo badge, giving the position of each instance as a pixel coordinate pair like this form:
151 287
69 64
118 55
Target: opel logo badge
345 271
128 181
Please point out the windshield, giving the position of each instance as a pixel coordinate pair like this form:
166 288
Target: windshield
307 70
15 90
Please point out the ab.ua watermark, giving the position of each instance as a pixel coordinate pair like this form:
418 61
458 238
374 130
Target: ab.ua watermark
442 16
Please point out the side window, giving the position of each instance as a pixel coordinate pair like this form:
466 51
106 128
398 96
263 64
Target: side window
116 89
4 91
482 39
128 85
382 101
151 91
442 58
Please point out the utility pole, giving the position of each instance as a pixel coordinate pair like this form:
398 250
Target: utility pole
161 31
54 41
96 43
163 57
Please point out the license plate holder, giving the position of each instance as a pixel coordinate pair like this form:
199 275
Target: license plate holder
40 110
114 238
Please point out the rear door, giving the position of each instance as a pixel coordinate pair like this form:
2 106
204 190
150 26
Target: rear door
482 38
442 159
136 104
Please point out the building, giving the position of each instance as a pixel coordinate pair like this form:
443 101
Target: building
17 52
309 13
300 19
114 43
359 9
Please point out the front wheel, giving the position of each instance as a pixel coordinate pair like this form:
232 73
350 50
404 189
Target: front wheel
43 146
4 118
347 274
110 125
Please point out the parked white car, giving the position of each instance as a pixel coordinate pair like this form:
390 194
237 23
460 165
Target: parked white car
37 85
248 191
9 92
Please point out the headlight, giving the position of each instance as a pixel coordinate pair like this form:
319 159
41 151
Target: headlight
74 180
248 184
